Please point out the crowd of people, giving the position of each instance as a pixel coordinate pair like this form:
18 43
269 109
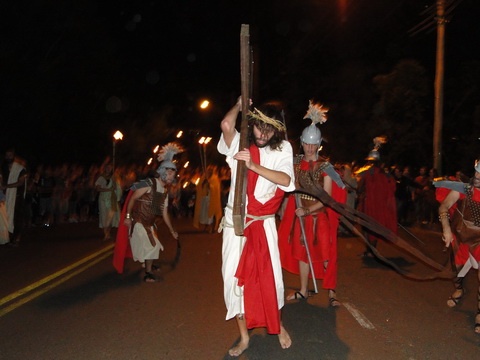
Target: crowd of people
67 193
47 195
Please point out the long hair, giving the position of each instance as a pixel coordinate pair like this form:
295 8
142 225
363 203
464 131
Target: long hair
272 110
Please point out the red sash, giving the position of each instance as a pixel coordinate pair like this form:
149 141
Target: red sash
122 243
255 270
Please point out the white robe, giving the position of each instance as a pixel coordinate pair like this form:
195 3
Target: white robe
106 216
11 193
232 244
140 244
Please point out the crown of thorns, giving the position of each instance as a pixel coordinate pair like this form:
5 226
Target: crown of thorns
258 115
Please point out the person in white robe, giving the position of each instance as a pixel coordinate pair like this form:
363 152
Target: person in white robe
13 182
275 171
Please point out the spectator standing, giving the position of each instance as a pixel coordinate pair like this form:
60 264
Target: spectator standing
109 195
431 203
59 195
208 207
420 200
4 235
14 183
45 188
403 195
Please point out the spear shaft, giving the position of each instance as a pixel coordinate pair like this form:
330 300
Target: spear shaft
298 201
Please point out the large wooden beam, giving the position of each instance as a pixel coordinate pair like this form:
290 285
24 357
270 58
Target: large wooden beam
239 203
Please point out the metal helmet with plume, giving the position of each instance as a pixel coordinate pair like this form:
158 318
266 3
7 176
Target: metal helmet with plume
378 141
318 114
165 155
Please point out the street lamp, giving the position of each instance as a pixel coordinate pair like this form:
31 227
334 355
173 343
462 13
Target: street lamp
117 136
204 140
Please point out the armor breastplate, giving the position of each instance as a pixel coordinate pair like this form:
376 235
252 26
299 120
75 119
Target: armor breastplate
149 206
308 173
313 175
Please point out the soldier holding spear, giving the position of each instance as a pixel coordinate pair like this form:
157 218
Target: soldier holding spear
308 231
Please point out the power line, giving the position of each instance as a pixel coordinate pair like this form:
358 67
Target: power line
428 24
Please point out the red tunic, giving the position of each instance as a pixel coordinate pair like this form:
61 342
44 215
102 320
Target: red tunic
321 232
464 250
122 243
378 198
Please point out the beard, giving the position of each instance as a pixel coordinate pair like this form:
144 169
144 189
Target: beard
259 143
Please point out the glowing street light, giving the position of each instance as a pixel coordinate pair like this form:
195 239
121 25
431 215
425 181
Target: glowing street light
116 137
204 140
204 104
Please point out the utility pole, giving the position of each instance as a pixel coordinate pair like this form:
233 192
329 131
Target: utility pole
439 75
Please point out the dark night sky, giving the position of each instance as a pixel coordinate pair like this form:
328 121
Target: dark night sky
75 71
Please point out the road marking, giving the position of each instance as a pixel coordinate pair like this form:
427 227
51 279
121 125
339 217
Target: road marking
361 319
93 258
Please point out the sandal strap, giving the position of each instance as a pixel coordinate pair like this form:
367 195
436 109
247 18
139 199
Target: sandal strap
149 276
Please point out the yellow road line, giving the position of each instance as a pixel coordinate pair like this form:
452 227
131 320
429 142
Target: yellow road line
51 286
53 276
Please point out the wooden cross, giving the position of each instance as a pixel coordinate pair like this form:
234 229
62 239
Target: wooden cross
239 202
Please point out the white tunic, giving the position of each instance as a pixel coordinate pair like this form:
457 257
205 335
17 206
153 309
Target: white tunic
279 160
142 249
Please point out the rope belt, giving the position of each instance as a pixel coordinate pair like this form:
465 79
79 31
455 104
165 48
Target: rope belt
224 224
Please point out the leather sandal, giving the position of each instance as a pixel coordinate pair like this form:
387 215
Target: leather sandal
476 327
149 277
455 300
332 299
297 295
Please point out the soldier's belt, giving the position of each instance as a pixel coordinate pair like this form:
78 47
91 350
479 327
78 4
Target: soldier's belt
306 197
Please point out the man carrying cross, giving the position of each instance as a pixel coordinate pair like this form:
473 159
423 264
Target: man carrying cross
251 269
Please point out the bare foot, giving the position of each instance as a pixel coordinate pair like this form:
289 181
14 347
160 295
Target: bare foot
284 338
238 349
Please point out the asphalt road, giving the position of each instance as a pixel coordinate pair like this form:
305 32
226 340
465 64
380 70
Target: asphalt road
60 298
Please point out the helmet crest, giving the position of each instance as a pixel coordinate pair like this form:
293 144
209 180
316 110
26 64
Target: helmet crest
374 155
165 155
318 114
